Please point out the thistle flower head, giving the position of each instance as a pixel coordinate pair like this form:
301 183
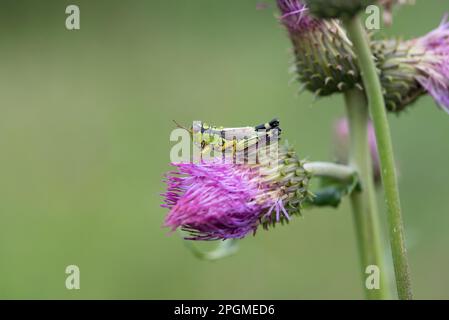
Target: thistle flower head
324 60
434 67
411 68
218 200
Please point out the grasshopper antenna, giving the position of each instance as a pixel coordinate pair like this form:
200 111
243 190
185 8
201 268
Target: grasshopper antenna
180 126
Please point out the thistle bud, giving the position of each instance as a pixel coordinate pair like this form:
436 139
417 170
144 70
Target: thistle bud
337 8
324 60
217 200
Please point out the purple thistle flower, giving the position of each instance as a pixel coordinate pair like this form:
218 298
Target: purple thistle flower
415 67
434 66
218 200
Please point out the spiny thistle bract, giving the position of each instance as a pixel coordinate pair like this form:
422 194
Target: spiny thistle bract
337 8
326 64
217 200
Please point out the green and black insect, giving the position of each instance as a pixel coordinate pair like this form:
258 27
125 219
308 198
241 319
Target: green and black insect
233 141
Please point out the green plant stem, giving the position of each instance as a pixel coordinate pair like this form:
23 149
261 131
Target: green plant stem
358 36
330 170
363 202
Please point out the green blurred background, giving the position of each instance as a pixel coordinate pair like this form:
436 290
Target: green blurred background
85 118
